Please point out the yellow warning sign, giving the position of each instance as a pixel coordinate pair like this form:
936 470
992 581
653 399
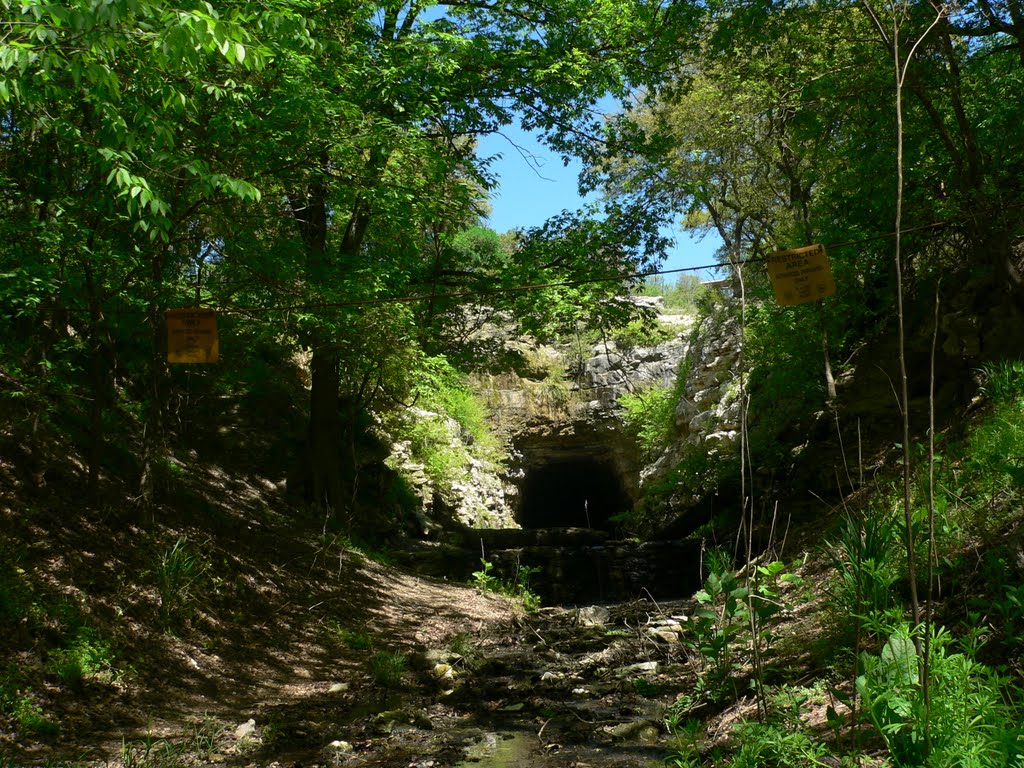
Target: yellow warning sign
800 275
192 336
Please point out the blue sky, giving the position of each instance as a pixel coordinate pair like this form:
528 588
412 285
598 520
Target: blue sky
536 186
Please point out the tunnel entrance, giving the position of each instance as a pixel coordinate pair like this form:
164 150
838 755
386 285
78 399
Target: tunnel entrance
572 493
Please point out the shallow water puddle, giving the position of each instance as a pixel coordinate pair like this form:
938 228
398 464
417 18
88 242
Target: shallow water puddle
502 750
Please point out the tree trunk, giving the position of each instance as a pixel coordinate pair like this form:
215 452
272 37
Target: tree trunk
153 436
98 380
323 472
323 484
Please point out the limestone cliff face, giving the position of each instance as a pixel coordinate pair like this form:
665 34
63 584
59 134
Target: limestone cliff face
571 461
708 412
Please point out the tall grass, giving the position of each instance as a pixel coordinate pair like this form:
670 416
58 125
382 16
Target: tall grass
179 572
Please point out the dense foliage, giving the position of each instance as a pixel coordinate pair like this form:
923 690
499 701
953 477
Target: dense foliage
778 128
295 167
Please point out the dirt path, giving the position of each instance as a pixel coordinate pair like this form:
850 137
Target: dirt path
289 642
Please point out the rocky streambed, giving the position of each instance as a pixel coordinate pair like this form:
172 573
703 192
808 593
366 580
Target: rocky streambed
558 688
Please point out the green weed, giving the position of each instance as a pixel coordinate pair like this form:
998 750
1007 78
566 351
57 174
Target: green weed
765 745
721 624
387 668
865 554
518 587
971 716
179 572
18 703
431 444
353 639
153 753
465 649
29 717
87 657
205 736
1003 381
650 416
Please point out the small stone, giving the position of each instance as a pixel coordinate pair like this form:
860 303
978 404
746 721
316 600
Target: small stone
643 668
593 616
665 635
338 688
444 671
624 730
246 730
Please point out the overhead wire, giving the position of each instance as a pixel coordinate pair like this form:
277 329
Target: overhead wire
483 293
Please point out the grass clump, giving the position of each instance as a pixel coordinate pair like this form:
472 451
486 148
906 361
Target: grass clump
179 572
353 639
388 668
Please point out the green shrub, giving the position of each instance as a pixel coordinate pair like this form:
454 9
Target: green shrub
1003 382
684 294
641 333
443 389
720 626
20 706
431 445
650 416
518 588
972 716
353 639
87 657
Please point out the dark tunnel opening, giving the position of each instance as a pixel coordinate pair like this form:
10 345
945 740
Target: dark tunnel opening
572 493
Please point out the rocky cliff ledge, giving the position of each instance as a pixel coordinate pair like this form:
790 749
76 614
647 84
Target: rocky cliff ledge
571 461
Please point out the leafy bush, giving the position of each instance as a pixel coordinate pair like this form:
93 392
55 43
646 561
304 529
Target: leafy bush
697 474
353 639
650 415
721 624
764 745
442 388
518 587
969 719
18 703
641 333
684 294
432 445
86 657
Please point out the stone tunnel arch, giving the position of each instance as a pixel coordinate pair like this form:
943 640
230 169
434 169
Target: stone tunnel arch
579 492
581 478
